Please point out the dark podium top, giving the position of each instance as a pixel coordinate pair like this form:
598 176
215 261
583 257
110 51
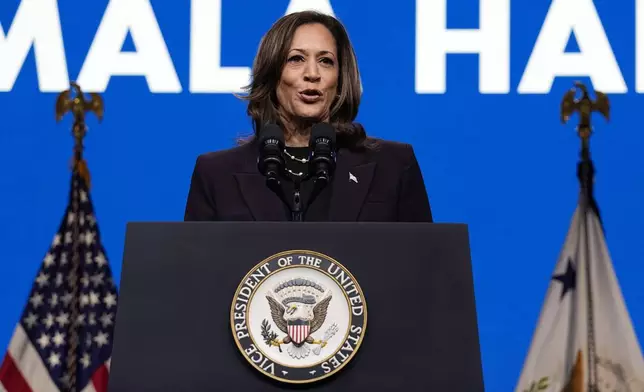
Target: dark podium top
173 329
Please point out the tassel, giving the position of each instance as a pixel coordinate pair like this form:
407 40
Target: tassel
83 172
79 165
576 381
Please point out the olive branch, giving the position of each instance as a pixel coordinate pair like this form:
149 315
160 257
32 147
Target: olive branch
270 337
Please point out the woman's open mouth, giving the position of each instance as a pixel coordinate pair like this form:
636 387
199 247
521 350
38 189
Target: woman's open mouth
310 95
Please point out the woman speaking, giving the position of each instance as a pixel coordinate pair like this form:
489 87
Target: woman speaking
305 81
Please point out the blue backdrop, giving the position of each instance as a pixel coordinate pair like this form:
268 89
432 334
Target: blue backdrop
493 152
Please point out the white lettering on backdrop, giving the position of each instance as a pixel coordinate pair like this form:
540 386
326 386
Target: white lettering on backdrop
595 58
491 42
37 25
151 58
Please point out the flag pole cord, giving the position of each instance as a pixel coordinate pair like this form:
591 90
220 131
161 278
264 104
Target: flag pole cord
80 173
72 354
585 172
78 106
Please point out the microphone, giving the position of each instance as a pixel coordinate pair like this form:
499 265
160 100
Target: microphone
270 161
322 163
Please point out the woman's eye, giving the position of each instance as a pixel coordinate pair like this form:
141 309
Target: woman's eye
327 60
295 58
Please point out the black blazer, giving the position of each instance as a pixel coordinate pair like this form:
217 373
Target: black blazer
227 186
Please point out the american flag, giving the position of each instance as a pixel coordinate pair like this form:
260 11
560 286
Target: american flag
63 341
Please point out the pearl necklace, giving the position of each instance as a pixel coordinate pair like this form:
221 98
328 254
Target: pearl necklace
301 160
294 158
291 172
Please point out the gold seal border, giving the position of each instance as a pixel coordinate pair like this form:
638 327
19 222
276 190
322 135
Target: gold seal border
278 255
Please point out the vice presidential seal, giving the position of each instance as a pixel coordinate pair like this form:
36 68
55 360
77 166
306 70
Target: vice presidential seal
298 316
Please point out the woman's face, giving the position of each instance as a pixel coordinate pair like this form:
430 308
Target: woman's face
309 80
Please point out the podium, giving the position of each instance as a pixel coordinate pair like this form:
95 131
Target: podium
193 296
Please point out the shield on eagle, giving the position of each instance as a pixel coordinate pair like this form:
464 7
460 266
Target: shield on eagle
298 330
298 308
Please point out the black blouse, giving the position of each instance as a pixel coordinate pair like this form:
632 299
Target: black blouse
297 165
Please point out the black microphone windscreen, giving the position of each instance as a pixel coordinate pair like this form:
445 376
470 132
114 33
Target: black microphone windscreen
271 131
271 142
323 130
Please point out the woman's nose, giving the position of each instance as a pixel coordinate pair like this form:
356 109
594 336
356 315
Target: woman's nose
311 72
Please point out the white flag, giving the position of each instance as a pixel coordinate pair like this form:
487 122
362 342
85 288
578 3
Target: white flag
578 318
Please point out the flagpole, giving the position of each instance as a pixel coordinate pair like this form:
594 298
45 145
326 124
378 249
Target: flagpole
78 106
585 173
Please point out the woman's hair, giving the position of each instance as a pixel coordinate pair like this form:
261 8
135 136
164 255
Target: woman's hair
267 69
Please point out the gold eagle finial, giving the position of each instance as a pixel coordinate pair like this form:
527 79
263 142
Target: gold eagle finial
78 106
585 106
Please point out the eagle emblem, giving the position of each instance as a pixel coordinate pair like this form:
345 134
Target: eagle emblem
298 309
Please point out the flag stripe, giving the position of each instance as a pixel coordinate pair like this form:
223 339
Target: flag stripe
11 379
99 379
89 388
28 362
